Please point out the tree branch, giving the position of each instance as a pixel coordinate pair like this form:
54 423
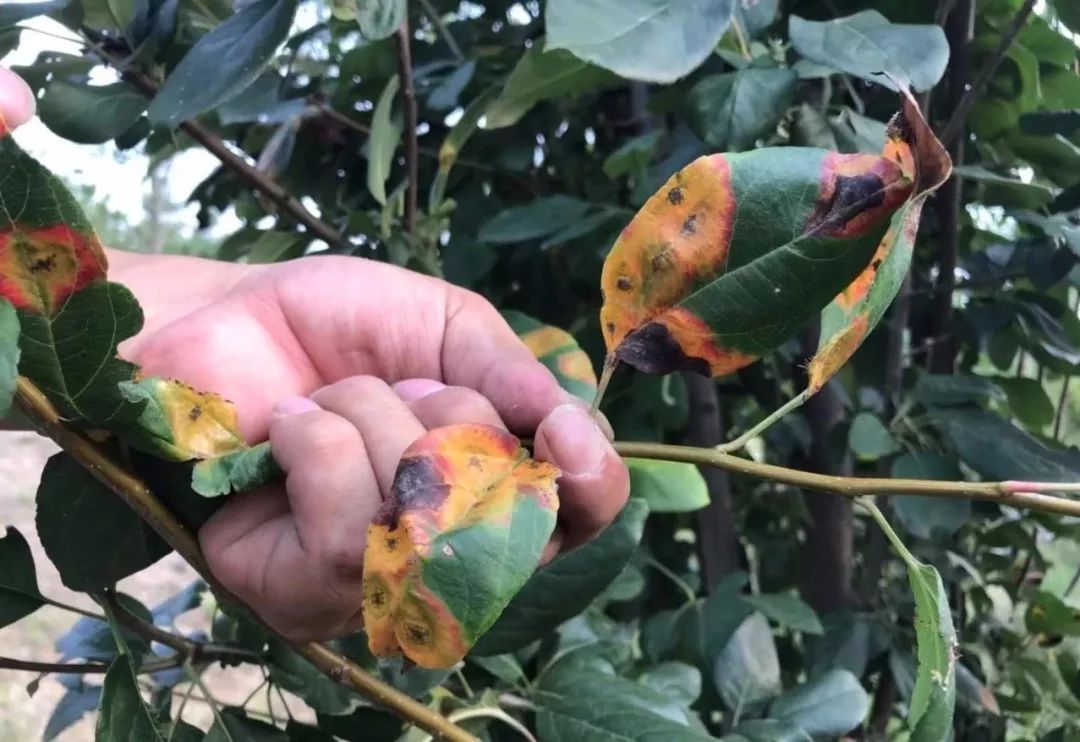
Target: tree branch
138 496
100 668
451 42
1024 495
408 93
956 122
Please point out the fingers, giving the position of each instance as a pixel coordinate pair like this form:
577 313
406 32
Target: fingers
381 418
436 405
17 102
594 484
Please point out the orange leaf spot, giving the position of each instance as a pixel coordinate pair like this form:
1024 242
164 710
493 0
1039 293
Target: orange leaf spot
678 239
836 352
41 268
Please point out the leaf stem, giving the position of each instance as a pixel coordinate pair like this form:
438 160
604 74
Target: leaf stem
436 19
740 442
740 37
870 507
610 363
134 492
72 608
1023 495
679 582
196 679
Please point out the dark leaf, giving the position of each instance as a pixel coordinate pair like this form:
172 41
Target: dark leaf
747 671
379 19
90 114
19 594
929 517
731 111
787 610
124 716
829 705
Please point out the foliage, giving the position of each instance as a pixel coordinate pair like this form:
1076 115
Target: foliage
538 140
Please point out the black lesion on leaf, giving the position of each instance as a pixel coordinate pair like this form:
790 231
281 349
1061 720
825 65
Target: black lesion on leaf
652 350
43 265
852 195
417 485
623 283
418 633
195 413
689 226
876 264
661 261
675 196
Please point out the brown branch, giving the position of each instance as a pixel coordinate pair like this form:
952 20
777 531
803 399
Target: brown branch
251 175
138 496
956 122
1024 495
408 93
149 631
100 668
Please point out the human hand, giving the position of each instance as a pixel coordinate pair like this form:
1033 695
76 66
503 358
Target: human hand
264 335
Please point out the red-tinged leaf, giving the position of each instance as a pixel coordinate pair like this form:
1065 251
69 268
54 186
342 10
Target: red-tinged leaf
462 531
559 351
859 307
181 424
51 260
737 251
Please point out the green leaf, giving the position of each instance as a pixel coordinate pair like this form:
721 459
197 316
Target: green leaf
866 44
238 727
540 218
80 699
930 709
261 102
1002 190
445 95
9 355
89 533
568 584
667 486
1047 614
747 672
379 19
869 439
1060 89
109 15
787 610
235 472
584 704
930 518
675 680
829 705
1028 401
1068 13
633 156
90 114
223 62
769 730
385 135
651 40
12 13
19 594
543 75
124 716
1048 123
755 16
998 450
956 390
731 111
454 143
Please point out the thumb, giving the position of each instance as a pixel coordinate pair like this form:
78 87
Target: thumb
17 102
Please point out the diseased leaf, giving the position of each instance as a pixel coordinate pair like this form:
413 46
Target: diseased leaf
731 111
736 252
567 585
19 594
463 529
124 716
385 135
239 471
90 534
379 19
223 62
679 34
860 307
52 270
543 75
178 423
866 45
667 486
1048 614
558 350
9 355
90 114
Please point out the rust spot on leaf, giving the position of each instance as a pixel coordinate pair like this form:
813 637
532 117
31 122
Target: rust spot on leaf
623 283
675 196
689 226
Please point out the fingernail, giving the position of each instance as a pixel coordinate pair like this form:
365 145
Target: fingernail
600 418
411 390
294 406
575 440
17 102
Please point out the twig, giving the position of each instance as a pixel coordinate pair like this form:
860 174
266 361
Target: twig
100 668
408 93
72 608
149 631
740 37
215 708
1014 494
257 180
959 115
435 18
139 498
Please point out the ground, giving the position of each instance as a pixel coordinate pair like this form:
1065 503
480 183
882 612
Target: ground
22 717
